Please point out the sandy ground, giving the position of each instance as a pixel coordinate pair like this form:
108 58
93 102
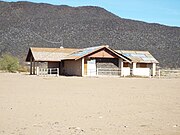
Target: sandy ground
31 105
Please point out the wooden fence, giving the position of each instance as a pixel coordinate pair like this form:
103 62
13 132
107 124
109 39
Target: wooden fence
168 73
48 71
107 71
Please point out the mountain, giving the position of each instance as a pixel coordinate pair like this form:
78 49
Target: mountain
25 24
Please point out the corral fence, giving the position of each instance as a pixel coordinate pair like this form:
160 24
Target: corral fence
168 73
48 71
107 71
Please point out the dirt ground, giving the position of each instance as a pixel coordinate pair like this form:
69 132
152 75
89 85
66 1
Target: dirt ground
31 105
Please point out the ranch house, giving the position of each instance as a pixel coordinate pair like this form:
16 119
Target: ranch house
92 61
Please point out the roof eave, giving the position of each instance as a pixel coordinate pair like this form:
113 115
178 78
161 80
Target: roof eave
89 53
29 53
119 55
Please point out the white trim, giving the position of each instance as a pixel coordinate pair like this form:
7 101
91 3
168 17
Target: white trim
153 69
133 68
122 74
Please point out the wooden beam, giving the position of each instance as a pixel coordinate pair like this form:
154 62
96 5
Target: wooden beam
121 66
33 67
82 67
30 66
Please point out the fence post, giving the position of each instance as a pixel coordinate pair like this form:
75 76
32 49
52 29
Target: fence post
50 71
159 73
43 71
57 72
40 71
37 71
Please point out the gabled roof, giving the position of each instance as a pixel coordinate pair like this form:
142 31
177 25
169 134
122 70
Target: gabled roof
87 51
49 54
83 52
58 54
138 56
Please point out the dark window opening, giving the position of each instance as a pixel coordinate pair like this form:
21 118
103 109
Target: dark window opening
143 65
125 64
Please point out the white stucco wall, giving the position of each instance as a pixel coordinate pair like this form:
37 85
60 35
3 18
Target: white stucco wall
141 72
150 70
73 67
125 71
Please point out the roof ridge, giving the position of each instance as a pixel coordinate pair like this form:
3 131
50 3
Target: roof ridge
133 50
52 48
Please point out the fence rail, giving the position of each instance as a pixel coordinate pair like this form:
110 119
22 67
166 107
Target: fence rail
48 71
107 71
168 73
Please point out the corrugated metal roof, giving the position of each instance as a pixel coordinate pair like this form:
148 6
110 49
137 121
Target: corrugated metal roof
82 52
138 56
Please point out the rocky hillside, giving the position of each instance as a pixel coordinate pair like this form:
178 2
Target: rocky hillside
25 24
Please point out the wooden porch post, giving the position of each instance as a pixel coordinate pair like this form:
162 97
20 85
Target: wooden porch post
82 66
154 69
33 67
37 68
30 66
122 74
133 68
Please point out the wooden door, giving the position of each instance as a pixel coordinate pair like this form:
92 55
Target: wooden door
85 66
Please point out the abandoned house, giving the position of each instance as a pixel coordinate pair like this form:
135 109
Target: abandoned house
92 61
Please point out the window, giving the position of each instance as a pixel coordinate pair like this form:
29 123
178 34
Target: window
143 65
125 64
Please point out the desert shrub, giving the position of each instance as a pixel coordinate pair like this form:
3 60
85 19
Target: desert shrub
23 69
9 63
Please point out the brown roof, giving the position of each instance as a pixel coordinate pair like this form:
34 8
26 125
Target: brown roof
62 50
58 54
49 54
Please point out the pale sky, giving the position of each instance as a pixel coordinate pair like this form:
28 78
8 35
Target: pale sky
165 12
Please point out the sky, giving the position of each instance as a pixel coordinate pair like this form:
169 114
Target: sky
165 12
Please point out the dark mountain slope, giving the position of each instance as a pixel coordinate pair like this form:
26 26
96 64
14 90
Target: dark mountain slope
24 24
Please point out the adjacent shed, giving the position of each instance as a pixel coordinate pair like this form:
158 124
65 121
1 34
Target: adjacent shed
143 63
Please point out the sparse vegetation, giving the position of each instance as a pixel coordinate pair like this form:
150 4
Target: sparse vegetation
25 24
23 69
9 63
